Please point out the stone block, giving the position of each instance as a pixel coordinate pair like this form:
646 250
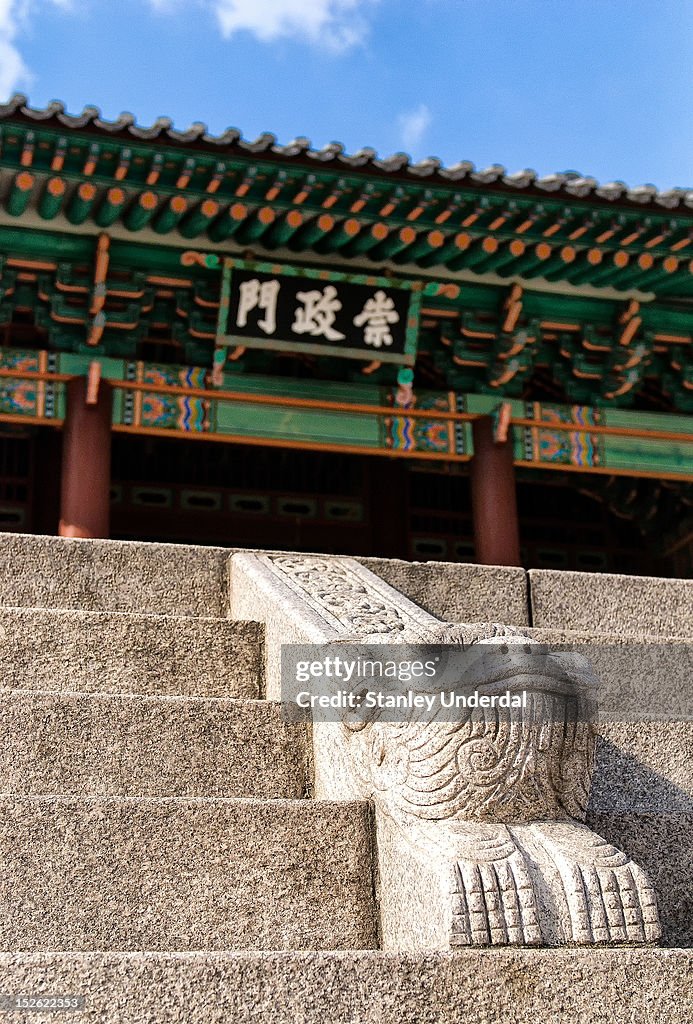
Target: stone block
113 745
179 874
110 575
606 986
608 603
456 592
44 649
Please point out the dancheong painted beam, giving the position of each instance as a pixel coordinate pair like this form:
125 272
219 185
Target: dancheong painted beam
596 348
174 401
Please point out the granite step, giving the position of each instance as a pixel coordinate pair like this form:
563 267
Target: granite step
519 986
645 717
111 575
76 744
179 875
611 603
48 649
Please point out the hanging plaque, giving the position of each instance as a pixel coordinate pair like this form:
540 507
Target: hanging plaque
291 309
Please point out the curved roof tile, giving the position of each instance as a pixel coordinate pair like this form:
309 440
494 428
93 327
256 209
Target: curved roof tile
570 183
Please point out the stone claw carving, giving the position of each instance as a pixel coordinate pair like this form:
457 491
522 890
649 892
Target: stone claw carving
609 898
493 899
544 883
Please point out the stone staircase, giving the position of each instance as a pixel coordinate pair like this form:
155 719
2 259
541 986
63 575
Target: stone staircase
163 857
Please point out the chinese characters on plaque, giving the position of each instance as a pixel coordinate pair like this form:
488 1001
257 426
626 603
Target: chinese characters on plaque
283 308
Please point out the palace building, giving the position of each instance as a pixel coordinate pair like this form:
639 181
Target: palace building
215 341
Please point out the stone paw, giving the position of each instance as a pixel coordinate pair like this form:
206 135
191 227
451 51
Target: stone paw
609 898
494 902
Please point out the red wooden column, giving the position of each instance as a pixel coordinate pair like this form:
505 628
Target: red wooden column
86 466
494 502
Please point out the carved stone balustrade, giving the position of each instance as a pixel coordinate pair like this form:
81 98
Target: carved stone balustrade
480 831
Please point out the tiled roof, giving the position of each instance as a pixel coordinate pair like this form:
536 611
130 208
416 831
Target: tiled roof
569 184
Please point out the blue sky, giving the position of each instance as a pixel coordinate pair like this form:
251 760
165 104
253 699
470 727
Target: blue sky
604 87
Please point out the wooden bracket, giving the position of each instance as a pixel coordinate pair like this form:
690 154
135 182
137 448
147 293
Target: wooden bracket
98 300
630 321
502 424
513 308
93 381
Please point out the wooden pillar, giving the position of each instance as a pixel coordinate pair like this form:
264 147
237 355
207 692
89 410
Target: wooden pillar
85 488
494 502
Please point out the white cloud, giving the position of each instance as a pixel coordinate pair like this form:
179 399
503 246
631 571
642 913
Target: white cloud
13 70
414 124
14 14
334 25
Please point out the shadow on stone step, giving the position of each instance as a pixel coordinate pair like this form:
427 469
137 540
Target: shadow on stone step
651 818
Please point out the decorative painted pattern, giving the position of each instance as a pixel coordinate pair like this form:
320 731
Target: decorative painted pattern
559 447
408 434
31 398
174 412
352 418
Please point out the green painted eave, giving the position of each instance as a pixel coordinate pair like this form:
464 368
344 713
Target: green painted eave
488 337
276 198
